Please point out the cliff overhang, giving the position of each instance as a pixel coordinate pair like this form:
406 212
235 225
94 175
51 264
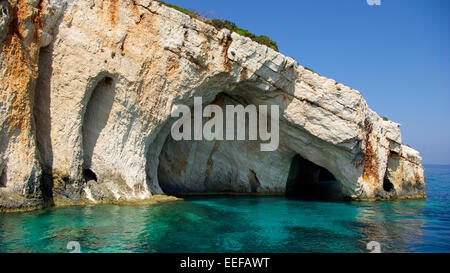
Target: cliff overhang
87 88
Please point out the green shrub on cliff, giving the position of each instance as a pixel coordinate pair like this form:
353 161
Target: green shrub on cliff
310 69
221 24
192 14
262 39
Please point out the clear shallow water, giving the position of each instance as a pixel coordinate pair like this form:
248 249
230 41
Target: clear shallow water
240 224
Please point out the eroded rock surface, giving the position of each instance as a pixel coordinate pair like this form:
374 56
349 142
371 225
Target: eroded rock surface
87 88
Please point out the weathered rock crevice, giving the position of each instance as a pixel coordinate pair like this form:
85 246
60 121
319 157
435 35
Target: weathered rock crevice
5 19
3 178
42 114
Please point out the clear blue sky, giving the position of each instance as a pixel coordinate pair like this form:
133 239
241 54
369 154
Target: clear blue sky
396 54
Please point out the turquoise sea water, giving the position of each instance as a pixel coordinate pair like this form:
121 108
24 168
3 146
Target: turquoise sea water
240 224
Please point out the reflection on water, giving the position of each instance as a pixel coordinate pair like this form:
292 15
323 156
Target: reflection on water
396 225
239 224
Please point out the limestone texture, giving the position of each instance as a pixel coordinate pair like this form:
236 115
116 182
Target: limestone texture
87 88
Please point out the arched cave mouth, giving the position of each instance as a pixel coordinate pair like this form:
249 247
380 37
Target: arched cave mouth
210 167
98 109
308 181
89 175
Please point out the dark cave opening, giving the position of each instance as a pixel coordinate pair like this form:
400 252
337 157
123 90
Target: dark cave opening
309 181
3 178
89 175
108 81
254 181
387 185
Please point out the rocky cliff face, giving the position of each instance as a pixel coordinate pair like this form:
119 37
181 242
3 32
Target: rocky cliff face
87 88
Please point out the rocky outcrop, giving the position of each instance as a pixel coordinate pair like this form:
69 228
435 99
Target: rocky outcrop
87 88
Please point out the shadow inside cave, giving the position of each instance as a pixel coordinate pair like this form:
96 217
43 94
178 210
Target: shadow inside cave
95 119
308 181
3 178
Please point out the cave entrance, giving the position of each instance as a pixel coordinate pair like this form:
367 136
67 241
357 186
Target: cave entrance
309 181
3 178
89 175
387 184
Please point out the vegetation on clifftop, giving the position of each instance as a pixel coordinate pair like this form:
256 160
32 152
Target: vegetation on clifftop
191 13
221 24
262 39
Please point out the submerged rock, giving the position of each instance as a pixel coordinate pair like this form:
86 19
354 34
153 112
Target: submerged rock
87 88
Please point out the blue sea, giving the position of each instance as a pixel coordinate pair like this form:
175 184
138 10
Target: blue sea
216 224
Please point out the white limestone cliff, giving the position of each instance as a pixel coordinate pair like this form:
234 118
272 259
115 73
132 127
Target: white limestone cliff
87 88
